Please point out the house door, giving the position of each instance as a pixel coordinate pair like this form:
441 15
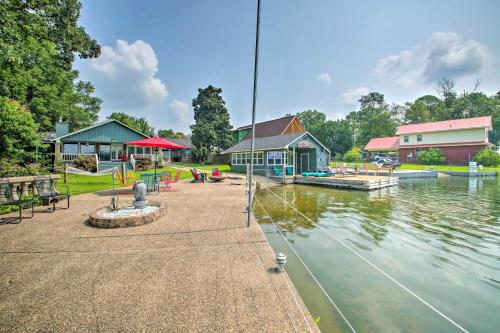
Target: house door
116 151
304 162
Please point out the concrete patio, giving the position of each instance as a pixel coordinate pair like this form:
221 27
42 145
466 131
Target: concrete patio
197 269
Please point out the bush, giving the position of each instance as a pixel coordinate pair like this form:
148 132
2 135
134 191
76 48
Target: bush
487 157
353 155
431 156
87 163
142 163
9 168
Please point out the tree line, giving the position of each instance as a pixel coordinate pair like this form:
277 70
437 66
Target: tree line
377 118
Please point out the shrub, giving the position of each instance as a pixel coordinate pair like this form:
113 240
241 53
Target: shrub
487 157
9 168
87 163
142 163
353 155
431 156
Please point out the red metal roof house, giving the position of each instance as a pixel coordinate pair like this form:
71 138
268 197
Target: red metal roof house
459 139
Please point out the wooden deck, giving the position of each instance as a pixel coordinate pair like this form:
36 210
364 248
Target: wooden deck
359 182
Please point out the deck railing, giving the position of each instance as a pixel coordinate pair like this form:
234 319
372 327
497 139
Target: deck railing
70 157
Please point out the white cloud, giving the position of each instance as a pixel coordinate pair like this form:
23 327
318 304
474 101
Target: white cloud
325 78
393 63
181 114
351 97
444 54
125 76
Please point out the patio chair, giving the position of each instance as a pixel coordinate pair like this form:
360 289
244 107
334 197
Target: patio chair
197 176
9 200
168 181
216 172
46 191
331 170
277 172
289 170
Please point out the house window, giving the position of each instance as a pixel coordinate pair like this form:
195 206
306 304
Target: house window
274 158
87 148
419 137
406 138
258 158
244 158
70 148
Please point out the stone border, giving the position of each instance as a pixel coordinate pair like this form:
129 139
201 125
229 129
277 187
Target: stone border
97 220
470 174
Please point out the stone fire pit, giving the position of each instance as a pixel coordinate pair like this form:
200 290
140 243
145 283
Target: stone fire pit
127 216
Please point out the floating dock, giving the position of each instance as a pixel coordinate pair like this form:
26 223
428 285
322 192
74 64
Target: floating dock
359 182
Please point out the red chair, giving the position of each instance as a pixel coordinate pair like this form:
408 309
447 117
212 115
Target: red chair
166 183
216 172
198 177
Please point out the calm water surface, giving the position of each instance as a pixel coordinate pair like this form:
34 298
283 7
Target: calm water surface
439 237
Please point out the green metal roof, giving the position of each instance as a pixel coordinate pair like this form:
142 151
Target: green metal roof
110 130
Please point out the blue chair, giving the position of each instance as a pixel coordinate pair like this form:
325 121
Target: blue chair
289 170
277 172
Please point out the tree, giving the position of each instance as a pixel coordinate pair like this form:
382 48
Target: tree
211 129
417 112
311 119
17 130
169 133
373 119
342 139
139 124
39 40
435 106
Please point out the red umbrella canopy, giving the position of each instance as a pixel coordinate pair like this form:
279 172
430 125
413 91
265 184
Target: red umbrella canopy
156 142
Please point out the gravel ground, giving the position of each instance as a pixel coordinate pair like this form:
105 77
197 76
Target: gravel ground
197 269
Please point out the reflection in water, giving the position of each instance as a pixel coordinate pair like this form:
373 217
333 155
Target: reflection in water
440 237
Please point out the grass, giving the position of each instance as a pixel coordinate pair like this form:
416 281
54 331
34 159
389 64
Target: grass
209 167
419 167
458 168
79 184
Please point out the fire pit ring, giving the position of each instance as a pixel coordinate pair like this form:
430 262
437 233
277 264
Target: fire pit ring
127 216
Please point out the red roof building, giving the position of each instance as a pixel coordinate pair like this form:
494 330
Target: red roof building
459 139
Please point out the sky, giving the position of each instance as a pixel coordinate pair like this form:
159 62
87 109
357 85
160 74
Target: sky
320 54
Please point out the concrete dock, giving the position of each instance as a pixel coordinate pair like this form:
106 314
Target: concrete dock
196 269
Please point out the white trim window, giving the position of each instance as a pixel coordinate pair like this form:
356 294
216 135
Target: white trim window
274 158
244 158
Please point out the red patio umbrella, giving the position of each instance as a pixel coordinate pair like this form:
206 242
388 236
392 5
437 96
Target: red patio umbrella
156 142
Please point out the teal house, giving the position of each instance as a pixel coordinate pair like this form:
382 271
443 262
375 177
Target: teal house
280 145
105 141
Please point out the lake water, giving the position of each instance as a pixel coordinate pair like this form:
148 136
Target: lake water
438 237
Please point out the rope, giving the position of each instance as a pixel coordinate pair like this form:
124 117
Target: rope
272 282
307 268
375 266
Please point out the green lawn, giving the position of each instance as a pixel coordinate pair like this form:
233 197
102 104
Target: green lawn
79 184
419 167
458 168
209 167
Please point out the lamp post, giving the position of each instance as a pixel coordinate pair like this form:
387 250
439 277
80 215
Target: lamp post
254 101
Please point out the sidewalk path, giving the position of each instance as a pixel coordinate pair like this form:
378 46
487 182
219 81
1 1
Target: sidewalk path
197 269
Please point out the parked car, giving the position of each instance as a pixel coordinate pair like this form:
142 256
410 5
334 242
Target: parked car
388 163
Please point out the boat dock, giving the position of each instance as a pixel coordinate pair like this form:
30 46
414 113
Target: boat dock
358 182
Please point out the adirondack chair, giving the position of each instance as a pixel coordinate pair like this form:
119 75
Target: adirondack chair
10 200
166 184
277 171
46 191
197 176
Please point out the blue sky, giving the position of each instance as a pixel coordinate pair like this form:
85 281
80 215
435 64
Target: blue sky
314 54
